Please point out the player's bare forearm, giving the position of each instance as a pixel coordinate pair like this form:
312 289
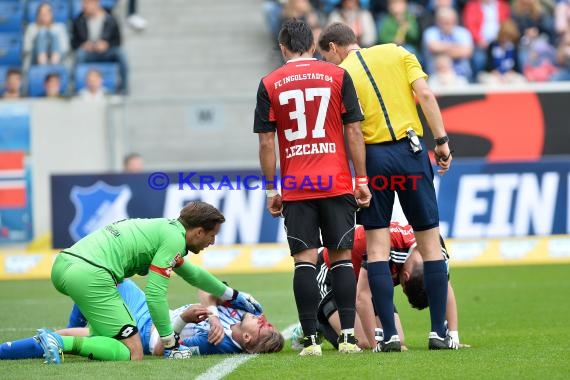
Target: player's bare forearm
74 331
194 314
399 328
210 302
207 299
430 108
451 309
432 113
355 142
267 157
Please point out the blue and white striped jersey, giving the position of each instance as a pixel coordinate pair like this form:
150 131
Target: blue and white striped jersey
195 335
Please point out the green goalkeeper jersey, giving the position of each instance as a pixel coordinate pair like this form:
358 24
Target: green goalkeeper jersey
147 246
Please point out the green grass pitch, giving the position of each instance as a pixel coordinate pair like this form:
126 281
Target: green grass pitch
516 319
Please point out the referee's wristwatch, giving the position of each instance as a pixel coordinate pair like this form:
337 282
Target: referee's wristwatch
441 140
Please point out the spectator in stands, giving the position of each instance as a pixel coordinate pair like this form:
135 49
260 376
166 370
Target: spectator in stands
400 27
360 21
302 10
532 20
133 163
13 84
52 85
97 38
503 57
46 41
378 8
447 37
562 17
445 76
426 17
534 24
483 18
94 89
540 62
563 58
272 10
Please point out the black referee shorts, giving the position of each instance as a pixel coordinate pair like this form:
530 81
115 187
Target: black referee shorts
386 165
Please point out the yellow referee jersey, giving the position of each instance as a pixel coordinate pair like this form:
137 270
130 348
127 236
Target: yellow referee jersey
394 69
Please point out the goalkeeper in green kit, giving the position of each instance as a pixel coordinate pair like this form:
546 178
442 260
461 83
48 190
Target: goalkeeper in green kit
90 270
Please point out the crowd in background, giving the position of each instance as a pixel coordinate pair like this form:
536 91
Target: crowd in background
457 41
57 48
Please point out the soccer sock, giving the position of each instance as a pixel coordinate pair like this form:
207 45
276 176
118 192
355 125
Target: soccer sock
344 291
306 292
328 332
96 347
382 288
21 349
435 283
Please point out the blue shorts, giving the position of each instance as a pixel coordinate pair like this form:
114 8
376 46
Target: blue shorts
393 167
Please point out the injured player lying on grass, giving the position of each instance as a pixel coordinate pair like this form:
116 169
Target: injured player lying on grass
204 329
406 270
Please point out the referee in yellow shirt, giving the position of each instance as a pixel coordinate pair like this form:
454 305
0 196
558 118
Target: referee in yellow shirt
387 79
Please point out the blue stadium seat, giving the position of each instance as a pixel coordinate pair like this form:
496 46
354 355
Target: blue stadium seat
61 10
11 49
76 6
108 4
37 75
11 16
3 71
109 71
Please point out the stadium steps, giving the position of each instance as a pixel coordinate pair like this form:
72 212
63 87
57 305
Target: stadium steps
208 48
210 51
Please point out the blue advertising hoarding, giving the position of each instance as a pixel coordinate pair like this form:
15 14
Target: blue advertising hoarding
83 203
476 198
15 174
481 199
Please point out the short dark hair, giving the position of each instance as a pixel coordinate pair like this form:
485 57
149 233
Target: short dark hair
50 76
13 71
414 288
129 157
296 36
338 33
200 214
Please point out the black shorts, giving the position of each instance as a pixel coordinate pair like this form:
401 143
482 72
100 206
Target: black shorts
333 218
387 165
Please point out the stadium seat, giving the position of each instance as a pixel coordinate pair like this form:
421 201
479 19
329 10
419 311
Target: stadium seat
108 4
11 16
10 49
37 75
109 71
76 6
61 10
3 71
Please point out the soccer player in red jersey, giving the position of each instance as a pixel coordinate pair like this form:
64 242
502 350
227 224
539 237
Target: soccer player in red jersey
312 107
406 267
